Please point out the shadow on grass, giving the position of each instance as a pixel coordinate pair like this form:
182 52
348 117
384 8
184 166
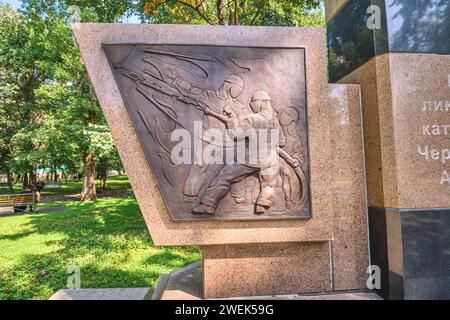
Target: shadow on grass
12 237
108 240
47 274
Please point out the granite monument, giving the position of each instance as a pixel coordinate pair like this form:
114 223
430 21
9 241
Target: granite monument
297 220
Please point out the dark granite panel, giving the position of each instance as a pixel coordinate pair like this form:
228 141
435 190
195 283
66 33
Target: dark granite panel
426 253
419 26
378 247
436 288
350 41
395 254
381 34
396 286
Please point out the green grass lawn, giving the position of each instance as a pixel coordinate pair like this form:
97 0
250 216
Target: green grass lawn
112 183
107 240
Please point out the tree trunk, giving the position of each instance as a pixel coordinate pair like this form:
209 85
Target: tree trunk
103 181
219 9
25 181
102 174
56 173
10 182
89 193
33 179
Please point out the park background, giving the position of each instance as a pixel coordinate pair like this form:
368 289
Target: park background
52 129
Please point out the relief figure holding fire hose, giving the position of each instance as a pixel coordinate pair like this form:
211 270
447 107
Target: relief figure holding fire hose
263 163
217 100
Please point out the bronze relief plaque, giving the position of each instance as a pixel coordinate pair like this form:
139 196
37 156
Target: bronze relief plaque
196 110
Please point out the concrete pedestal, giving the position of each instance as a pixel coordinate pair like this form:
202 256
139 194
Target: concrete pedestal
267 269
187 284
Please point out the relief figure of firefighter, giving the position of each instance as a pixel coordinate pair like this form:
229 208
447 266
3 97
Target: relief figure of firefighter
217 101
261 119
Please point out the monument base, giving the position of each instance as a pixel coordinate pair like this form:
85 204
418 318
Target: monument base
249 270
187 284
266 269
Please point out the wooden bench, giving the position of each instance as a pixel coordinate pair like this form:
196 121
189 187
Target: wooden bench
18 201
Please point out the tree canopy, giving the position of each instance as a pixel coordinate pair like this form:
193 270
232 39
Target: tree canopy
49 115
232 12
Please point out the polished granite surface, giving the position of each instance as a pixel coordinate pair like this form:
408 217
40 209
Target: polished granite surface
424 255
405 26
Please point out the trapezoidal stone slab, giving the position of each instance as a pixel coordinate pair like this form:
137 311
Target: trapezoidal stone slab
336 221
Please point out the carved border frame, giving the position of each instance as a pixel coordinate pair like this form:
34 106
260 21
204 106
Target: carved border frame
263 217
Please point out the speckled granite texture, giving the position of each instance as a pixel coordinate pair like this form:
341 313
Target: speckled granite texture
405 109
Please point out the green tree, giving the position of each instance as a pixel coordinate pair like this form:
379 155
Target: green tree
49 114
19 77
48 108
79 114
232 12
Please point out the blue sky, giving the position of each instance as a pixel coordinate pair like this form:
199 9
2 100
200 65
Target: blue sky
14 3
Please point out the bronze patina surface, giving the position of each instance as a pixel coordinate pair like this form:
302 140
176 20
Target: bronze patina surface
198 88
